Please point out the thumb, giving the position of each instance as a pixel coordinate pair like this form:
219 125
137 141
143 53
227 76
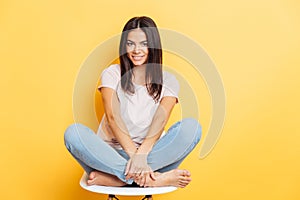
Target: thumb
152 175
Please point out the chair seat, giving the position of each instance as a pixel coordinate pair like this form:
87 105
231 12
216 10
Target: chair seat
124 191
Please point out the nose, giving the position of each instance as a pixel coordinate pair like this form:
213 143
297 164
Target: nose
137 48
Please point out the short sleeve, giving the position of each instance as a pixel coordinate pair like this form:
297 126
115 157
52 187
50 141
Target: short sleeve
171 85
110 77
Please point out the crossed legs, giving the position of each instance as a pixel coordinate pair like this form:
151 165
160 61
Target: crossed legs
106 166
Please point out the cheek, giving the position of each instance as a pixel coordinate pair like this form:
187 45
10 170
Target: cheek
128 54
147 53
127 50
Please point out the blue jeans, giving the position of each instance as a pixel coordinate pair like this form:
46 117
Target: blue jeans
92 153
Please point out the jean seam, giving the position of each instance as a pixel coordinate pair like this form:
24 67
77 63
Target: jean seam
174 126
93 154
179 157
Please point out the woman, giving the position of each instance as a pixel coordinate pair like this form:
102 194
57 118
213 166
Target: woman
138 97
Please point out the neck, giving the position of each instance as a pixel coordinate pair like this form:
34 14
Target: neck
139 70
139 73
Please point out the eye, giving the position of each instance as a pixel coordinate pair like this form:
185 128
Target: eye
144 44
129 43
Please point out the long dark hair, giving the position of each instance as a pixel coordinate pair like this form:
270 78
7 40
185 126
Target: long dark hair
154 79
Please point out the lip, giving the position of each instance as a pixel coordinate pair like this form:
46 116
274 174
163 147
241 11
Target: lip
137 58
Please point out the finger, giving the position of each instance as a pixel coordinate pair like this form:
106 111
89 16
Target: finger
142 181
152 175
127 177
134 172
136 177
132 169
142 178
142 173
146 180
145 177
130 175
137 180
127 167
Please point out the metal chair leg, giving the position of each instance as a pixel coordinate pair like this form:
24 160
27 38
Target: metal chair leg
147 197
112 197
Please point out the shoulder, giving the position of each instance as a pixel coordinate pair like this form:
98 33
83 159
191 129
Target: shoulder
170 84
110 76
112 71
169 78
114 68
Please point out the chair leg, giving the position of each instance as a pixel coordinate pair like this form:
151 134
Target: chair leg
147 197
112 197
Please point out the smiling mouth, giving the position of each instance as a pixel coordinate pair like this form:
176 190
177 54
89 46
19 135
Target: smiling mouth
137 58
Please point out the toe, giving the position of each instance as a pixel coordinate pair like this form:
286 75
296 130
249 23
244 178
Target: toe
187 173
184 182
185 179
92 175
90 182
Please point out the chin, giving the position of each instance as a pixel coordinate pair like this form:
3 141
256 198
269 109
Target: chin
138 63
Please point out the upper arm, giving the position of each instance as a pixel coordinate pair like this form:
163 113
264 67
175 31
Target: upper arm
110 102
170 94
110 78
171 86
169 98
166 106
162 115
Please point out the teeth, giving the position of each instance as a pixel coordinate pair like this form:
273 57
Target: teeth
137 57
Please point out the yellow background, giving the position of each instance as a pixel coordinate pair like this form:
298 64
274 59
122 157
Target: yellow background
254 44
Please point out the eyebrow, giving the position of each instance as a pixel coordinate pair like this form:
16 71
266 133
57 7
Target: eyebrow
134 42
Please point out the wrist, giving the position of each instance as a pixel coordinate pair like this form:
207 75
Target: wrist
142 150
130 153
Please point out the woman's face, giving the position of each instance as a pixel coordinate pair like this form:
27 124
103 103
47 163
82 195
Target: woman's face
137 47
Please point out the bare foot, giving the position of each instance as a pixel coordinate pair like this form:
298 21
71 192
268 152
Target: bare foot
104 179
176 177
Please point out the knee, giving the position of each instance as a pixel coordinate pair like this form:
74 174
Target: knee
71 134
192 127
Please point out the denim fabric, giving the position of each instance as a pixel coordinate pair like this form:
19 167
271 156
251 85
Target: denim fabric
92 153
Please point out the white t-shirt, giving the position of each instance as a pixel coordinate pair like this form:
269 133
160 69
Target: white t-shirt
137 110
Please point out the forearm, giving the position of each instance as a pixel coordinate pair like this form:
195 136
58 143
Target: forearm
121 133
158 124
156 128
115 122
138 162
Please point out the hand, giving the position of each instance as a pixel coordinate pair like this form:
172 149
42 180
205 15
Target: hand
138 169
145 180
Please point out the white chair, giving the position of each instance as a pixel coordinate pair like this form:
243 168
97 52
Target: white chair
125 191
